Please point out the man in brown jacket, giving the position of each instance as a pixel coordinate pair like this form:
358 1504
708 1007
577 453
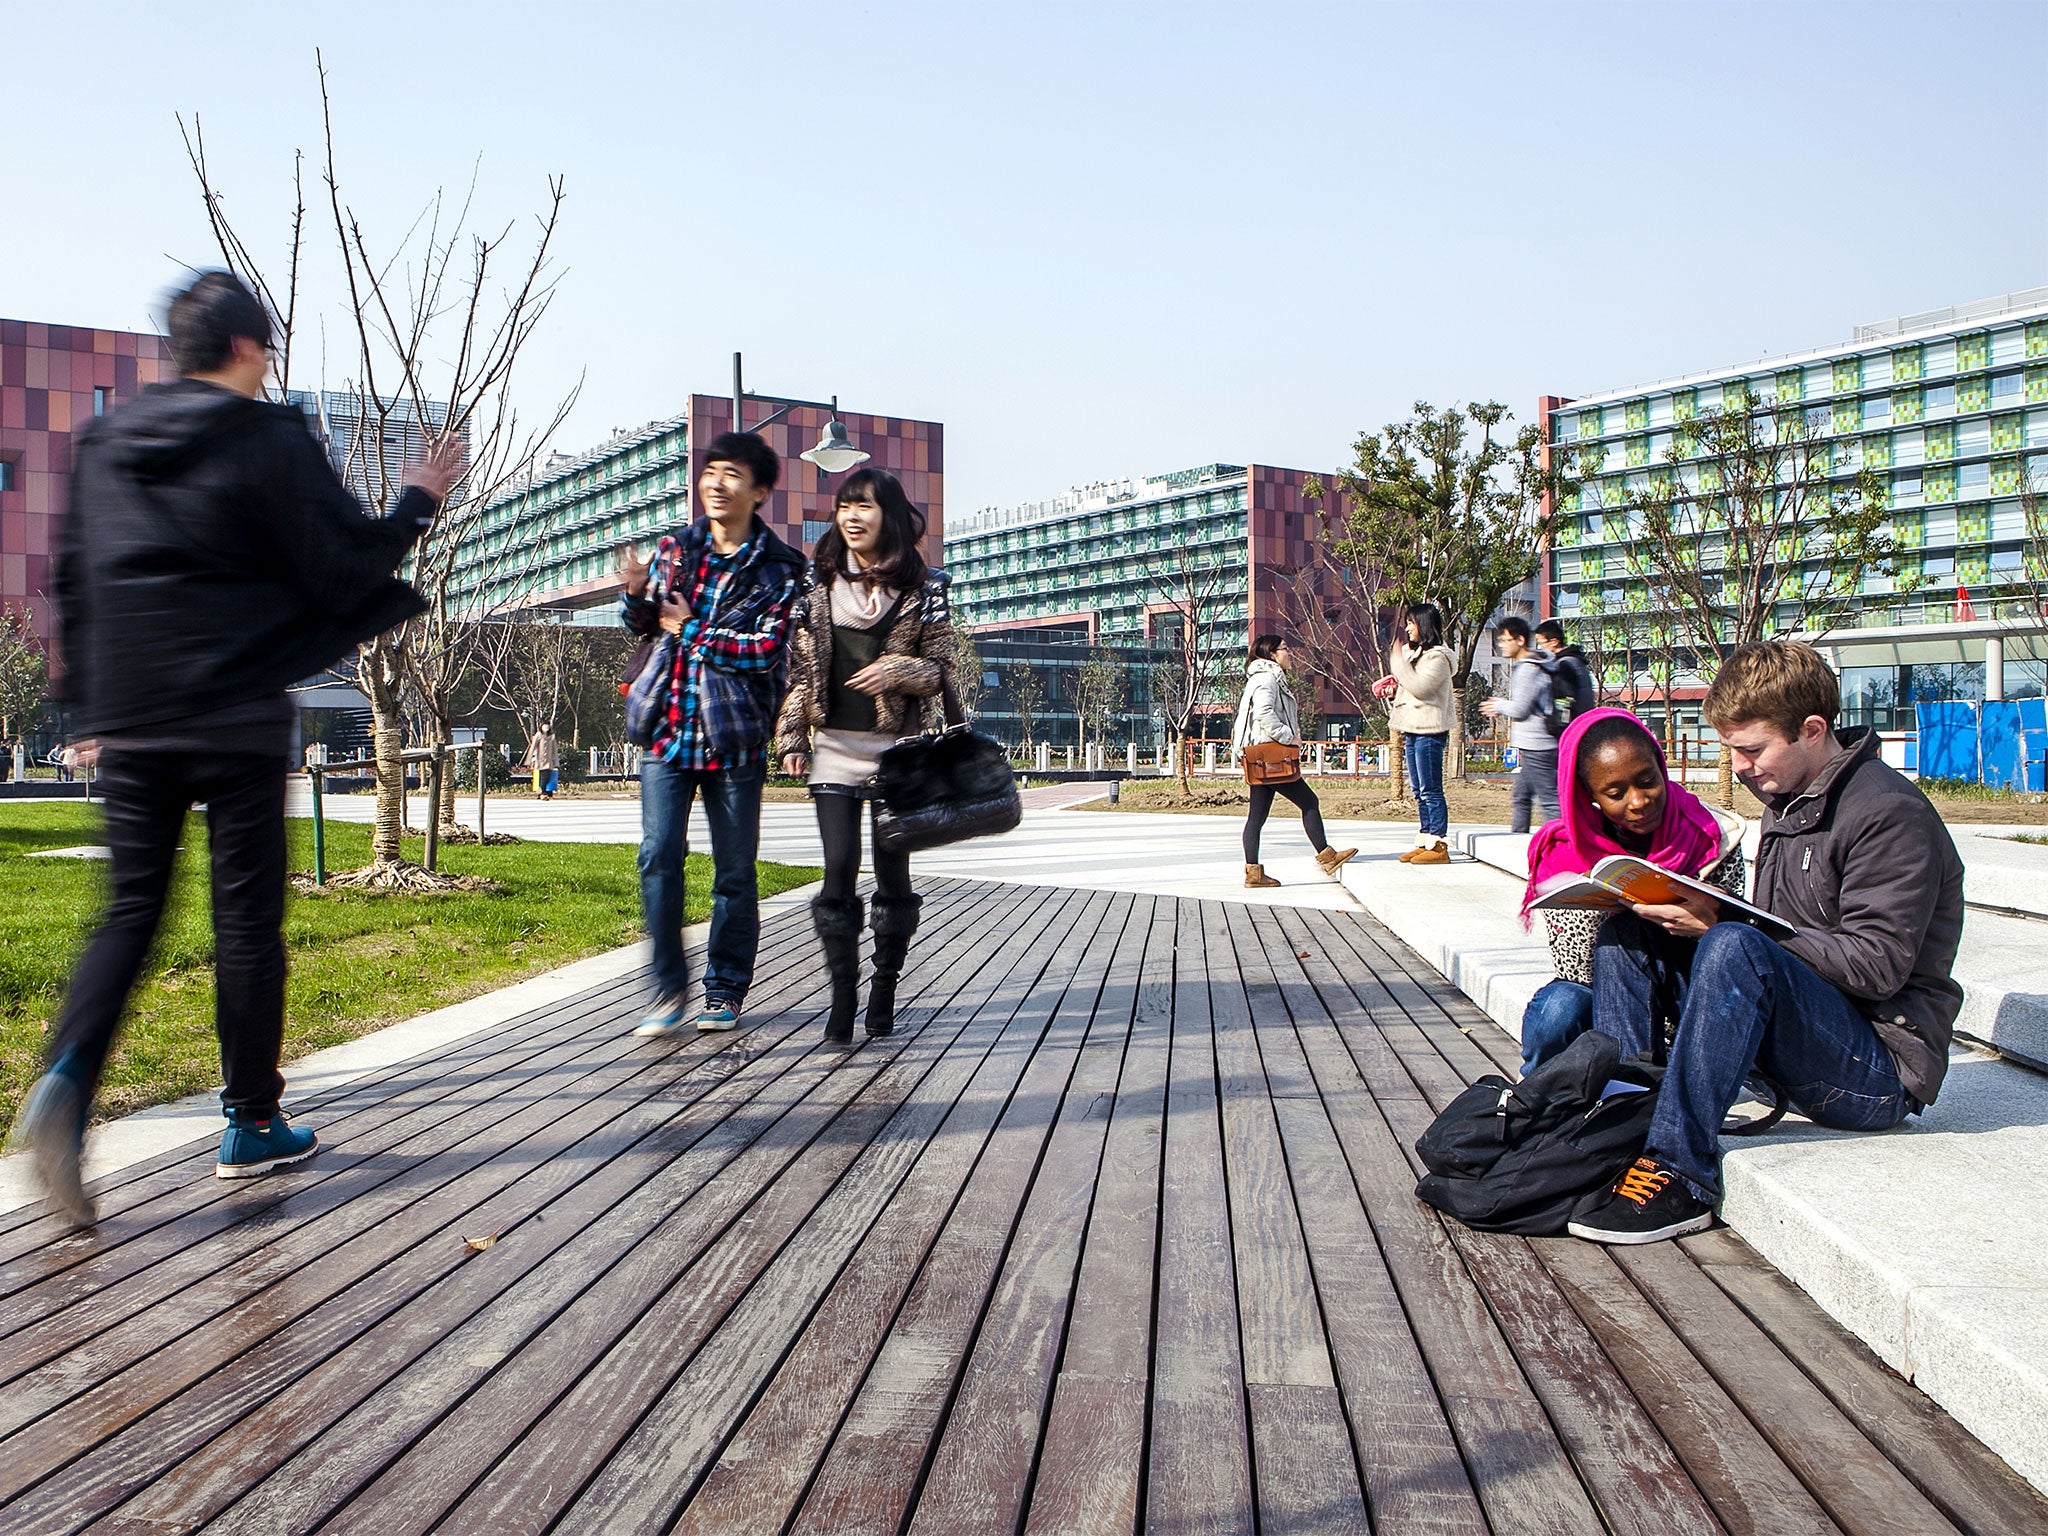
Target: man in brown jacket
1851 1015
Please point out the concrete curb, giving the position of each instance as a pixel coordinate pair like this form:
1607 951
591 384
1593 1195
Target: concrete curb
1930 1242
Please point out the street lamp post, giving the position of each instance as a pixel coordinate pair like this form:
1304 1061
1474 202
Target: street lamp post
834 452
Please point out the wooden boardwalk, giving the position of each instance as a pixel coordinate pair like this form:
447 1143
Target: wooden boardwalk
1117 1234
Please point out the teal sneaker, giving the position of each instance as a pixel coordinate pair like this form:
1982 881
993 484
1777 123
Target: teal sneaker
51 1130
717 1014
662 1020
251 1147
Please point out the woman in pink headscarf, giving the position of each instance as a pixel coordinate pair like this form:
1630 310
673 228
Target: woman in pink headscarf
1617 797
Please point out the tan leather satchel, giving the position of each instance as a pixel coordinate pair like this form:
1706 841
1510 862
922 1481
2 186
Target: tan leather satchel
1271 762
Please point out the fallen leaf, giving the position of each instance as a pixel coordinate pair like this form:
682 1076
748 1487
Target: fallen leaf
479 1244
1302 956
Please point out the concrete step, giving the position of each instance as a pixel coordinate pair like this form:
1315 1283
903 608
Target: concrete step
1930 1242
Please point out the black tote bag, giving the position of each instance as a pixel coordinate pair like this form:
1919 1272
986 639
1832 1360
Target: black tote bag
944 787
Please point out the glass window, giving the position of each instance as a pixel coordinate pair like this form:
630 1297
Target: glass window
1905 488
2005 386
1940 396
1877 410
1974 475
1941 359
1877 370
6 474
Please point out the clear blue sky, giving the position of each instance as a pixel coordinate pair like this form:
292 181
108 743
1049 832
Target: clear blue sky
1093 239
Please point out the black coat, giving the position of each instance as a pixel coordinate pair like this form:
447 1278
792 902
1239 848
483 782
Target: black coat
210 556
1861 865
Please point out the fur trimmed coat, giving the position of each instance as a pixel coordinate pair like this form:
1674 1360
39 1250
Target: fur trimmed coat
917 656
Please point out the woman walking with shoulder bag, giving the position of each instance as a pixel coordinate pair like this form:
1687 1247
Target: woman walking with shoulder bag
871 656
1267 738
1421 669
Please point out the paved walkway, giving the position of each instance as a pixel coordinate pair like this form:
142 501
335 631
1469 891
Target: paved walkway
1117 1233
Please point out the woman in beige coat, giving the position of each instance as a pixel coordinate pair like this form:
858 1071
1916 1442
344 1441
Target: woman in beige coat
1423 706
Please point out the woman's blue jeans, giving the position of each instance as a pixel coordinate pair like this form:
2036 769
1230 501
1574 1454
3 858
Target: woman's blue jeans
1424 759
1558 1014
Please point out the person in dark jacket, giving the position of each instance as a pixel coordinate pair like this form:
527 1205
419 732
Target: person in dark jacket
1850 1017
724 588
209 559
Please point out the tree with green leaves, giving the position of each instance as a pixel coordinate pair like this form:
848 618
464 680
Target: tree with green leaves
24 674
1447 508
1744 531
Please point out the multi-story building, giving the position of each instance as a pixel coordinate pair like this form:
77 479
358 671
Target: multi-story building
54 379
549 543
344 422
1949 408
1105 562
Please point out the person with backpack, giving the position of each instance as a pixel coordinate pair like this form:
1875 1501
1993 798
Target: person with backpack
1424 704
871 661
1571 677
1852 1015
209 559
1617 796
1531 731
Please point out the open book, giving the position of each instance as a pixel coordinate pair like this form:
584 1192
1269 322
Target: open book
1621 878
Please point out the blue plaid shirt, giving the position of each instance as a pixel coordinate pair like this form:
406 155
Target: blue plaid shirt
739 623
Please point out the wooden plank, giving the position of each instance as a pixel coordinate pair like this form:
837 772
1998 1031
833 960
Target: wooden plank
1861 1489
644 1485
670 1220
1749 1487
869 1477
1091 1462
1199 1475
1964 1479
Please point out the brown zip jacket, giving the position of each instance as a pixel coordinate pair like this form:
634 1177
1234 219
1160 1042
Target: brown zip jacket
1861 865
916 656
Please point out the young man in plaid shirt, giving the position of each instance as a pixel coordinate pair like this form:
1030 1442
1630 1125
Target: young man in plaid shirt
724 587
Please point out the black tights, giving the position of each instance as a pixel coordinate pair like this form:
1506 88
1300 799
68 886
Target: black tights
1262 802
839 830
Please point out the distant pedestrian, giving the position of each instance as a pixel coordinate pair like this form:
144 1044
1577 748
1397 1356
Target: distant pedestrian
210 558
1424 705
1528 709
1572 691
544 761
871 658
723 588
1268 715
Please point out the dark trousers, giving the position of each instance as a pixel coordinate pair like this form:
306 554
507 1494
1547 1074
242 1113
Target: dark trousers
1745 1003
1424 757
839 831
732 807
147 796
1296 793
1535 784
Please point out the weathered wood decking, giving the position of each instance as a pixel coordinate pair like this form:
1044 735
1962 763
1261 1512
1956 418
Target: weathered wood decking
1116 1234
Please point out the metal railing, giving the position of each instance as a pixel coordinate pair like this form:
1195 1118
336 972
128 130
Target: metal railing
438 760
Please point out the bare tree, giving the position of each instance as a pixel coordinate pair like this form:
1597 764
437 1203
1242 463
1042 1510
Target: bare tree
435 323
1027 697
1100 690
1440 510
24 674
1190 588
1744 531
968 685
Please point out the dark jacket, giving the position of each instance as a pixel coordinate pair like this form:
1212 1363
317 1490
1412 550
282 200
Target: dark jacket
917 653
1861 865
210 555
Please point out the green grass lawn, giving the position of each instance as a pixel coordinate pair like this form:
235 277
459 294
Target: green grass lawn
356 961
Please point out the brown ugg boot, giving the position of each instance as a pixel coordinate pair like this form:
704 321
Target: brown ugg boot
1333 859
1435 853
1256 878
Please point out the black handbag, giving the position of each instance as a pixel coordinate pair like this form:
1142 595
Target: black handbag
944 787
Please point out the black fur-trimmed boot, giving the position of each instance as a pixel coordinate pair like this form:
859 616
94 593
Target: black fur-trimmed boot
894 919
837 919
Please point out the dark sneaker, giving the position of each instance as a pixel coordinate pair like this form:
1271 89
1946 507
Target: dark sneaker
718 1013
1648 1203
250 1147
662 1020
51 1130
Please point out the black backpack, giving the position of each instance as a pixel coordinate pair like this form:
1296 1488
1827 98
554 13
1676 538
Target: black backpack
1516 1157
1571 691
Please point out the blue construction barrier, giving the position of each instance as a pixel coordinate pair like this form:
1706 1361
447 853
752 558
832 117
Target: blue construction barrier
1948 741
1999 762
2034 743
2002 743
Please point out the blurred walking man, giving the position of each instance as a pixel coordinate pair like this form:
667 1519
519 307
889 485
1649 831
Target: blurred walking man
209 559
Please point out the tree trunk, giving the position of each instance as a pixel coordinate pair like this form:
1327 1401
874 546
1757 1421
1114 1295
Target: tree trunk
443 737
1397 765
1455 748
389 739
1187 764
1724 780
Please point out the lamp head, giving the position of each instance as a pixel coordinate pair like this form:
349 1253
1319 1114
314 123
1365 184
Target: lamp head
835 453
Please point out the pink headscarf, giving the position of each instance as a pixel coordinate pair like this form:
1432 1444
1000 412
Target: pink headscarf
1688 841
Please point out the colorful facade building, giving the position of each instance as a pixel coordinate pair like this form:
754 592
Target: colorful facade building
1103 562
54 379
549 543
1950 409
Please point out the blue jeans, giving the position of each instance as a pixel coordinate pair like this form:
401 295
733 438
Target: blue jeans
1744 1003
732 805
1424 758
1535 784
1558 1014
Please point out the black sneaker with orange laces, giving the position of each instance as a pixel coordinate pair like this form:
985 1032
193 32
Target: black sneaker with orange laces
1648 1203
